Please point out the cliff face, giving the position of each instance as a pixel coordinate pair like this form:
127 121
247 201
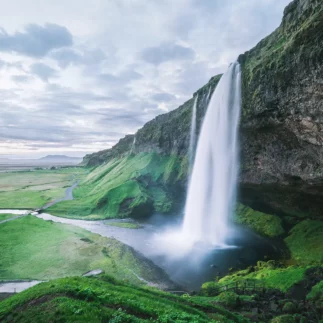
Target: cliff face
281 129
282 116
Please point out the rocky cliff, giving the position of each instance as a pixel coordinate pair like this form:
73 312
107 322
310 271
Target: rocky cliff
281 130
281 127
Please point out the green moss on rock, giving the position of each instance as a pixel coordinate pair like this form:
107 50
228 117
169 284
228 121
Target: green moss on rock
305 242
265 224
316 294
270 277
284 319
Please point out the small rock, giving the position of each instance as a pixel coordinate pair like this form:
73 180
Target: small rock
273 306
255 310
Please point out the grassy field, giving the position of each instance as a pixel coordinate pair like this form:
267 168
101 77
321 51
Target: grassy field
104 299
6 216
32 248
33 189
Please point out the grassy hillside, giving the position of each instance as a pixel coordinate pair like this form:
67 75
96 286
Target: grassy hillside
106 300
135 185
33 189
5 216
33 248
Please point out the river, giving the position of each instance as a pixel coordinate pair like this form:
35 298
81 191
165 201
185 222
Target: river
189 270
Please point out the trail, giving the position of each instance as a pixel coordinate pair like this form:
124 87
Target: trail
25 213
22 213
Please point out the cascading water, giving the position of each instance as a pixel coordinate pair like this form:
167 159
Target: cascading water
192 136
133 145
212 188
208 94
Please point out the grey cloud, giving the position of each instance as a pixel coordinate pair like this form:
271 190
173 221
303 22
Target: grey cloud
122 78
166 52
94 56
36 40
163 97
67 56
22 78
43 71
184 24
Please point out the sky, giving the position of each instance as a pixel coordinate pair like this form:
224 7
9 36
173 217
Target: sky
77 75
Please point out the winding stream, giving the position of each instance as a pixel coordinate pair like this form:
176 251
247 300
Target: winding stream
68 196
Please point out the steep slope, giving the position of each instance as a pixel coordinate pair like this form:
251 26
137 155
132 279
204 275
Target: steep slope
104 299
281 124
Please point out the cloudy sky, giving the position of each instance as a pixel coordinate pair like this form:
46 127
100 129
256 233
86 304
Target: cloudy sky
77 75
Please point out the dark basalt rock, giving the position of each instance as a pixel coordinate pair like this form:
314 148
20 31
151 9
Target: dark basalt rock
282 116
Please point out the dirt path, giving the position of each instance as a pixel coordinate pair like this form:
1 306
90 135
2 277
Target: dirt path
20 214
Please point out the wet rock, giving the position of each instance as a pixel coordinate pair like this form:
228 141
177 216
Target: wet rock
273 306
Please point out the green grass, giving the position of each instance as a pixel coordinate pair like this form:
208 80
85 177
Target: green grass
305 242
33 189
32 248
316 294
6 216
126 225
264 273
262 223
104 299
134 185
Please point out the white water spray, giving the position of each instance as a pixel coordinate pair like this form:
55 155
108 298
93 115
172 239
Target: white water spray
209 93
212 188
191 149
133 145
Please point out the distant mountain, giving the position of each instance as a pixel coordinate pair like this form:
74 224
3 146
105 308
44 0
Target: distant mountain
60 158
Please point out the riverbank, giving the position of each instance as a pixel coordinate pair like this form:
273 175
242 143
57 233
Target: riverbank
35 249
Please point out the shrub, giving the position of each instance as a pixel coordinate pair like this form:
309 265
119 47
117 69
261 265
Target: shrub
229 299
210 289
283 319
289 307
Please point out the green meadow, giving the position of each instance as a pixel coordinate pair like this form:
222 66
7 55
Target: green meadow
32 248
33 189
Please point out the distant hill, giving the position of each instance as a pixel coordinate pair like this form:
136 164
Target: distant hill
47 161
60 158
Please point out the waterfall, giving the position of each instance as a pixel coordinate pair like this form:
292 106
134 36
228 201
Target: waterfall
133 145
212 189
208 94
192 145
